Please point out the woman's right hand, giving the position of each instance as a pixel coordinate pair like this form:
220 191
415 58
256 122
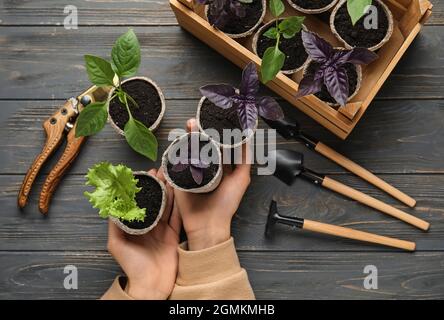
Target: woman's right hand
207 217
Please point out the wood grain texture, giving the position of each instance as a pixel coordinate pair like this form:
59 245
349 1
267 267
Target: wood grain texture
277 275
72 224
99 12
31 60
394 137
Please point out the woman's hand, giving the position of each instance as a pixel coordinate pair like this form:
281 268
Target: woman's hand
149 260
207 217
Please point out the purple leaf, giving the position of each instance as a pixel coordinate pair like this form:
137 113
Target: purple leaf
361 56
336 81
219 94
247 112
250 80
317 48
179 167
269 108
197 174
310 84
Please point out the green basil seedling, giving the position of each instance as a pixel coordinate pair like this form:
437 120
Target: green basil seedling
125 61
273 58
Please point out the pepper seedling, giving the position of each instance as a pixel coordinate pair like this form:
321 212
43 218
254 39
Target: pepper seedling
357 9
115 192
245 101
222 9
125 61
273 58
331 70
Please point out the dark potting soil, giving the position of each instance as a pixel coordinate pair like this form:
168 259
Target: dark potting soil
185 180
358 35
237 25
295 54
312 4
146 97
213 117
352 75
150 197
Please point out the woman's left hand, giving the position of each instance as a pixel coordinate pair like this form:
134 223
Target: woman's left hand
149 260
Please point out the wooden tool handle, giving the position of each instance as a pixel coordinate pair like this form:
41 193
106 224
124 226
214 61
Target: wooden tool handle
374 203
357 235
54 128
72 149
364 174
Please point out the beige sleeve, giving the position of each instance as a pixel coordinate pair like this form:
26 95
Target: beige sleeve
116 291
213 273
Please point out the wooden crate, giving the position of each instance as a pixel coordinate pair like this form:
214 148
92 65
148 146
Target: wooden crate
409 16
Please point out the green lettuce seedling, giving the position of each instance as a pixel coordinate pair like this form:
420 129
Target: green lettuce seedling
273 58
356 9
125 61
115 193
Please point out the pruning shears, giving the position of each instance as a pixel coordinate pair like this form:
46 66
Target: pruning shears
60 125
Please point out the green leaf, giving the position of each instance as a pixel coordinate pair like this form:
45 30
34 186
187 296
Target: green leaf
271 33
126 55
272 62
92 119
276 7
141 139
115 192
356 9
290 26
246 1
99 71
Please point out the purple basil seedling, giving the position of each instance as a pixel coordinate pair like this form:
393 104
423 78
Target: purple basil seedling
223 9
331 70
248 105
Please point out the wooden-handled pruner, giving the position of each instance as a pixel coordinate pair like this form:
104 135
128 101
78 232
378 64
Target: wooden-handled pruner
290 129
60 125
290 165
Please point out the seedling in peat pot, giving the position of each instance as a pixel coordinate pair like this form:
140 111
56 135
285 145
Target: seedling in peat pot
329 67
125 61
245 101
273 59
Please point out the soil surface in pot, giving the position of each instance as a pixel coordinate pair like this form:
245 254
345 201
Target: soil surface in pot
237 25
185 180
147 98
312 4
358 35
352 75
295 54
213 117
150 197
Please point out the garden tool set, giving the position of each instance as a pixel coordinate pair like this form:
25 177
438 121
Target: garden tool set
290 165
57 127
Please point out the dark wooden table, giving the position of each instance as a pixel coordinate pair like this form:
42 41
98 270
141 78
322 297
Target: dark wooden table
401 138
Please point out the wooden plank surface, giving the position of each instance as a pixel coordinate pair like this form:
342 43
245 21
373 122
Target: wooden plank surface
47 62
277 275
394 137
73 224
99 12
400 137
